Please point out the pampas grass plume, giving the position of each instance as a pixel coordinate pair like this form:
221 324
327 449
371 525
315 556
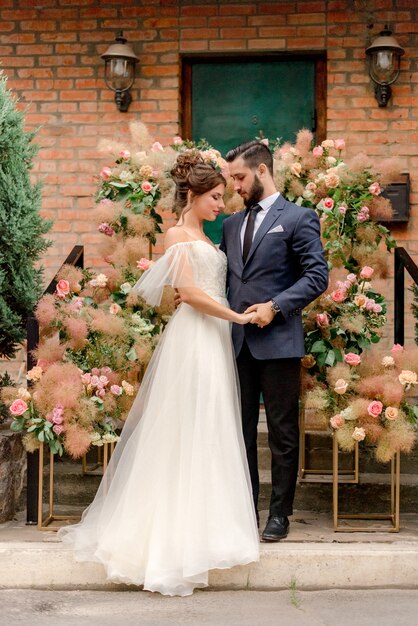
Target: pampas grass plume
107 324
345 438
45 311
73 274
49 350
61 384
76 441
340 370
304 140
78 331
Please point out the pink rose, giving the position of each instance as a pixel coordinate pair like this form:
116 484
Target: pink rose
63 288
86 378
106 202
328 203
366 272
375 408
106 229
177 140
265 141
339 144
58 429
377 308
100 392
339 295
146 186
103 380
57 419
397 348
337 421
114 308
18 407
342 209
143 264
157 147
95 371
318 151
94 381
106 173
322 319
363 215
374 189
352 359
116 390
125 154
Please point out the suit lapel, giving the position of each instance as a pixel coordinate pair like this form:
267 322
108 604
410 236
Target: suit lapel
266 224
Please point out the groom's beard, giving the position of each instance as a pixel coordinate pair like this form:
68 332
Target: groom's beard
255 194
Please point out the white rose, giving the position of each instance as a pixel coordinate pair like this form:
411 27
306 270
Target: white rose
388 361
125 288
348 414
341 386
359 434
407 378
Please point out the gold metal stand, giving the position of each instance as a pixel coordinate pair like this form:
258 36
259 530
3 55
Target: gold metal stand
392 517
103 455
311 474
47 523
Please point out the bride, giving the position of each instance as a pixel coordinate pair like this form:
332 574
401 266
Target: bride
175 501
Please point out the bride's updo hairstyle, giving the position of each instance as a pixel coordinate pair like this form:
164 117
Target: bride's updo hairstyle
192 172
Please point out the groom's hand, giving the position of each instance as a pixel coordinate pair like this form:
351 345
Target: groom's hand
263 314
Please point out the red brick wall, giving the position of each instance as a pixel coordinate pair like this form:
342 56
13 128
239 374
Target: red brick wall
50 50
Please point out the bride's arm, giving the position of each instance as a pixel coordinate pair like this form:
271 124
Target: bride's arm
198 299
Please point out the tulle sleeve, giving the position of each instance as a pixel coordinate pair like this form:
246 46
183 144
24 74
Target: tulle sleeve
174 268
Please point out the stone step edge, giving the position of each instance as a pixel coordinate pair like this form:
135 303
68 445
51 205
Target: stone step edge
41 565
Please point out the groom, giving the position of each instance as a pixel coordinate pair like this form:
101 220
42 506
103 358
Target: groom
276 260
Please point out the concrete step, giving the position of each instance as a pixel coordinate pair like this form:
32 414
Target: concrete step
312 557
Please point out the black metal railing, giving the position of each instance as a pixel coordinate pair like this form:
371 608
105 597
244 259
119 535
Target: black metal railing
402 262
75 258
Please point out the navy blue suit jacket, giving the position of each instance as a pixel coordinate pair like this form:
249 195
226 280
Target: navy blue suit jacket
287 266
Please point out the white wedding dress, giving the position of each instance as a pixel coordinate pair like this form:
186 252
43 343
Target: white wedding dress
175 501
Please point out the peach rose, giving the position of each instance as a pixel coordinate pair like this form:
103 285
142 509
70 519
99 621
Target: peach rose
359 434
146 171
308 361
18 407
341 386
296 169
128 388
62 288
352 359
23 394
337 421
114 308
360 300
391 413
35 373
332 181
328 143
375 408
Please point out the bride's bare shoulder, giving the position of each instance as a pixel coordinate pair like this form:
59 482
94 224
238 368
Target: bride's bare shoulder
174 235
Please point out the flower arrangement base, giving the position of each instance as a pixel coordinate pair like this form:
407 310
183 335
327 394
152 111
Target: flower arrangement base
386 522
51 521
103 454
322 475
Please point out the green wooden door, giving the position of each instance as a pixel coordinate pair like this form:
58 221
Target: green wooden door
237 101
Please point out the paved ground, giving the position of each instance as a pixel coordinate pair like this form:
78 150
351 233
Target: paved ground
205 608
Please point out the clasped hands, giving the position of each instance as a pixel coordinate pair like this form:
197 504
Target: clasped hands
263 314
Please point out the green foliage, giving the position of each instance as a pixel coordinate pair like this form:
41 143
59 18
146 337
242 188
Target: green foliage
21 226
5 381
414 307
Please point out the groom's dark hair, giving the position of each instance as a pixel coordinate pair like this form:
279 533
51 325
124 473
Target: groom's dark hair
254 153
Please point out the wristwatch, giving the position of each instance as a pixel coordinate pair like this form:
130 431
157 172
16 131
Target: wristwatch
275 307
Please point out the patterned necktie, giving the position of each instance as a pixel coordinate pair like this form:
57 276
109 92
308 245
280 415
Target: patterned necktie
249 230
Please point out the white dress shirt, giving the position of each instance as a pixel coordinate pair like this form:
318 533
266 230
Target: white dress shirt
265 204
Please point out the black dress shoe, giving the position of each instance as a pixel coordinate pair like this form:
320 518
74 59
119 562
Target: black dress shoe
277 528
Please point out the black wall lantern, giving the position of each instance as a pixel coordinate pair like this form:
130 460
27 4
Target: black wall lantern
120 61
385 60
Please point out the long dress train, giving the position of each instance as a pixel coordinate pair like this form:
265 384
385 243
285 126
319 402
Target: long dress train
175 501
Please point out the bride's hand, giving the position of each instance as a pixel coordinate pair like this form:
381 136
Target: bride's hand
244 318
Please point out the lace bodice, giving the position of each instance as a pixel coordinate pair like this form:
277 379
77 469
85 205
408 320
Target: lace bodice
209 267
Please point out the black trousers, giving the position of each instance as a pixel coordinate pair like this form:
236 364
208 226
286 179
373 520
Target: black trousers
279 381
